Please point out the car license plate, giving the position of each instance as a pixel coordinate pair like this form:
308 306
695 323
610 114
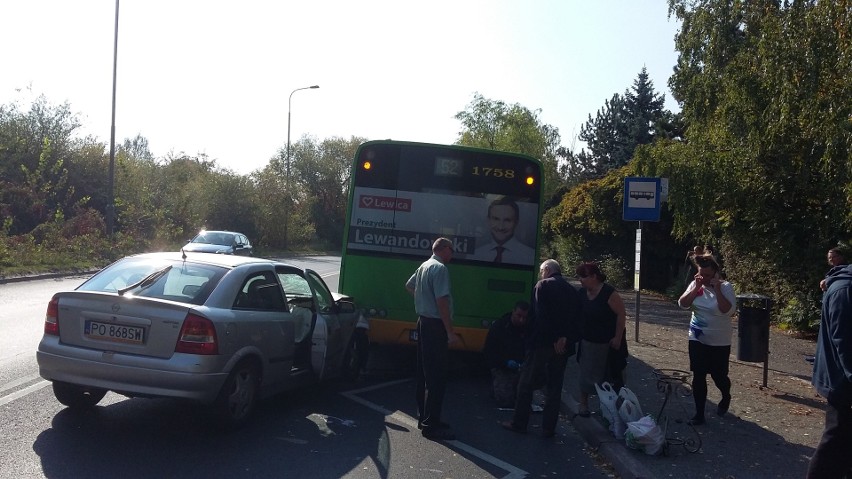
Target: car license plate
115 333
412 335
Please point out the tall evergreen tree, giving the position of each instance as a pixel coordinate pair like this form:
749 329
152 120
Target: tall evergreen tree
644 109
623 123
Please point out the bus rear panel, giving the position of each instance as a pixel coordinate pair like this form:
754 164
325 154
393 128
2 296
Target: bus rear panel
403 196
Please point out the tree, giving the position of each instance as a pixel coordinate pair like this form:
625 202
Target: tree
624 122
35 149
322 171
767 170
137 148
495 125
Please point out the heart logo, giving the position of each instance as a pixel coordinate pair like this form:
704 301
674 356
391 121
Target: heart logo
367 201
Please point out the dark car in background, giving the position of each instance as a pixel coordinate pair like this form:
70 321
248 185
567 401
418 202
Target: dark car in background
221 330
220 242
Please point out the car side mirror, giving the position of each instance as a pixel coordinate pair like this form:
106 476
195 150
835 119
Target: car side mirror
346 307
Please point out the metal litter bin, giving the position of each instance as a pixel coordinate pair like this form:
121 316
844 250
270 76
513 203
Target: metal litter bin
753 328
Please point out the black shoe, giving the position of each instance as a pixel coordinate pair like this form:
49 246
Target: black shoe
724 404
696 421
509 425
436 434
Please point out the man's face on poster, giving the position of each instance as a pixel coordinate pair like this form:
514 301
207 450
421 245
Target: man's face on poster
502 221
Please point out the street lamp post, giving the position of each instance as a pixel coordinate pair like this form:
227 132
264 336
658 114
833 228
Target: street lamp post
289 102
287 180
110 207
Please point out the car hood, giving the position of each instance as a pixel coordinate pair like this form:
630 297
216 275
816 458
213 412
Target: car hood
207 248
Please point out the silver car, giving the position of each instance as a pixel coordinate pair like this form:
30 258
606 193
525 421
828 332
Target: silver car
221 330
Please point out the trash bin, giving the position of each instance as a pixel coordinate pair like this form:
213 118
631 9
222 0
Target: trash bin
753 327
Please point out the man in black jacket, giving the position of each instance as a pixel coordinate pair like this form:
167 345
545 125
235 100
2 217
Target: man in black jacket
504 352
553 331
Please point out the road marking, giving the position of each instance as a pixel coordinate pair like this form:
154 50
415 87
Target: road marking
405 419
23 392
18 382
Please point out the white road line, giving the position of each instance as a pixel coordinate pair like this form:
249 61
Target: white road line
18 382
405 419
23 392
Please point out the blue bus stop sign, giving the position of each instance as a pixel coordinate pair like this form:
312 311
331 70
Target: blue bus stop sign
641 199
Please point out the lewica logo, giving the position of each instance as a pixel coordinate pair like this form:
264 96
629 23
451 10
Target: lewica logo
374 202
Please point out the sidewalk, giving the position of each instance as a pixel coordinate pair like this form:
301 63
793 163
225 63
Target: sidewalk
768 432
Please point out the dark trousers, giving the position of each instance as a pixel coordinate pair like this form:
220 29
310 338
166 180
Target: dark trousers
712 360
542 367
833 455
504 386
432 357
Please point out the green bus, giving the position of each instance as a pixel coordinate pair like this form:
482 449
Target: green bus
405 195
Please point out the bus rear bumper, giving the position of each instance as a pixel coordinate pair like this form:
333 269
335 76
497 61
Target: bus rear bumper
386 331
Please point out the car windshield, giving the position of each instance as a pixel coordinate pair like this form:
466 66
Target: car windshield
179 280
214 238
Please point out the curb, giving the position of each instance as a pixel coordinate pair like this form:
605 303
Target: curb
33 277
596 436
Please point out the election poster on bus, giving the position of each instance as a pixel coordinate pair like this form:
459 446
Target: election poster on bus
483 227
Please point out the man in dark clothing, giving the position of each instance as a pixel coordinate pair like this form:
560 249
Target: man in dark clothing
832 377
504 352
430 286
553 331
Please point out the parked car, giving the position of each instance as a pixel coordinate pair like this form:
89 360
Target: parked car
218 329
221 242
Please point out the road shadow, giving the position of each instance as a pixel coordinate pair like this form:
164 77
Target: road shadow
298 435
739 444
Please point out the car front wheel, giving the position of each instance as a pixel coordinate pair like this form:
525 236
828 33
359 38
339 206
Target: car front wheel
355 361
238 397
77 397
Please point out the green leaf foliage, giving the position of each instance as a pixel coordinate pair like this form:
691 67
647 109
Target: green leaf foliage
495 125
767 167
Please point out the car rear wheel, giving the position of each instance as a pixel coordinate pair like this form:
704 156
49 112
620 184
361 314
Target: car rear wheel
238 397
77 397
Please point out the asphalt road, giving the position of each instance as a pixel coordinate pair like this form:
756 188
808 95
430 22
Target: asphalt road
365 429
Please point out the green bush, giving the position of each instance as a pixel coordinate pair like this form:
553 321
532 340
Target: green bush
615 270
800 313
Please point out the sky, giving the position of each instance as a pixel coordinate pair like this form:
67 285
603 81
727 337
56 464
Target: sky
218 78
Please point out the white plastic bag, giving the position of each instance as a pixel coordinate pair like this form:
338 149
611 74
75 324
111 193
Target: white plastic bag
646 435
629 411
627 394
608 398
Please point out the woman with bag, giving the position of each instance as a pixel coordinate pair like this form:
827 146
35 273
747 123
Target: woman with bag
712 301
603 345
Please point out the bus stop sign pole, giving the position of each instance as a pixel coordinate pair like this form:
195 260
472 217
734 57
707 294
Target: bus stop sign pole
642 198
636 275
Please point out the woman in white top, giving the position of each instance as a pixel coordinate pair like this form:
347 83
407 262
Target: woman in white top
713 302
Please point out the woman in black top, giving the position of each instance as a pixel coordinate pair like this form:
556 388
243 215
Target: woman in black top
603 346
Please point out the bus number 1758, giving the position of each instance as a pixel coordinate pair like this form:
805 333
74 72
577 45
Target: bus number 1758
495 172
